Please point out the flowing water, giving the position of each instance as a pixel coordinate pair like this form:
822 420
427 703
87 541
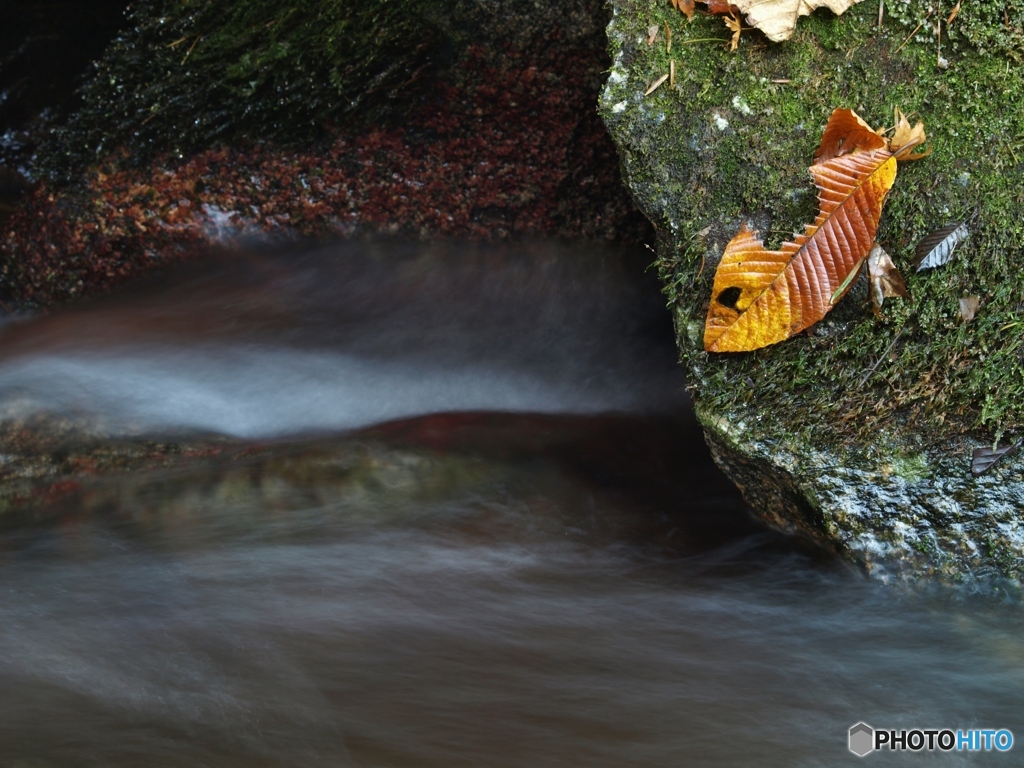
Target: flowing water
470 522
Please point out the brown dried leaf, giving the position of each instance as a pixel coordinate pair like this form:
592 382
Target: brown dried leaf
886 280
777 18
844 134
969 307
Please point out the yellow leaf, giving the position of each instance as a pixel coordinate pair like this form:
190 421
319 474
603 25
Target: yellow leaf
762 297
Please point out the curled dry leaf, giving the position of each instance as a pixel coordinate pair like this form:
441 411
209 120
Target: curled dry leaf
986 458
905 138
969 307
736 27
886 280
761 297
937 249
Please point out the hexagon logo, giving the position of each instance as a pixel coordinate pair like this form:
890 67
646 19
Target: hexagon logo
862 737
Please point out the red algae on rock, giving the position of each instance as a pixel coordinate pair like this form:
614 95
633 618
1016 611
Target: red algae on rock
494 152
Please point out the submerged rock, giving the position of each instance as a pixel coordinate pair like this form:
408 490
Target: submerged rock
860 433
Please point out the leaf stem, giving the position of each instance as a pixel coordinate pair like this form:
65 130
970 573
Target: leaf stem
913 33
1012 153
881 357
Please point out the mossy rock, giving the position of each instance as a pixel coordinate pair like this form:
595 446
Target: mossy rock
186 75
860 432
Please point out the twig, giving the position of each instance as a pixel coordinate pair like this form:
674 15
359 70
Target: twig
911 35
655 85
707 40
668 39
878 362
881 12
189 51
671 72
1012 153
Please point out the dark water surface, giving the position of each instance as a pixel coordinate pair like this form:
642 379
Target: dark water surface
547 571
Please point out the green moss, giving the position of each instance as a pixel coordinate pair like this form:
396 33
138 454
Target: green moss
854 376
911 468
188 73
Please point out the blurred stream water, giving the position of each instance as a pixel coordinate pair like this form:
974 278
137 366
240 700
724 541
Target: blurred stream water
480 529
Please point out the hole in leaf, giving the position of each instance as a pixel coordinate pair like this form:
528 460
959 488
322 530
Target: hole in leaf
729 297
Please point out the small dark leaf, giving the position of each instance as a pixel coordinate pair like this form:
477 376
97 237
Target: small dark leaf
986 458
937 249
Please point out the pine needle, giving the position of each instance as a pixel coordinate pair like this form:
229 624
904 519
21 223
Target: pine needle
911 35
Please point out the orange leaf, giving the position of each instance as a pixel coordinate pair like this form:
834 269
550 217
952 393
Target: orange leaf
845 134
722 7
762 297
686 7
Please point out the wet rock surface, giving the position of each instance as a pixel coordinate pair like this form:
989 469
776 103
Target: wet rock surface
921 522
860 433
58 467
